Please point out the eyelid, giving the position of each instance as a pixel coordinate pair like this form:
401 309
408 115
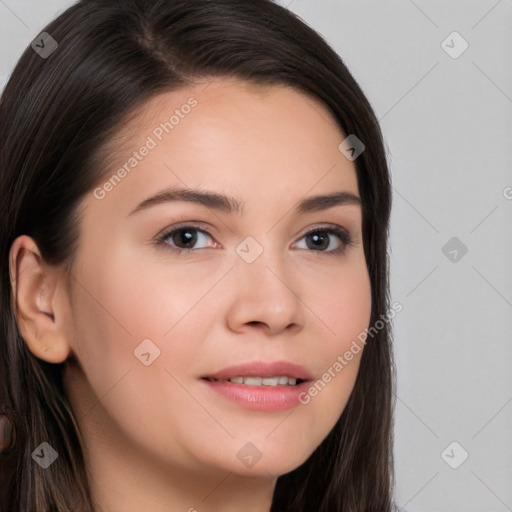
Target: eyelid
322 225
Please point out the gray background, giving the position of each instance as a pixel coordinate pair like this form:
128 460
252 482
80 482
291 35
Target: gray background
448 125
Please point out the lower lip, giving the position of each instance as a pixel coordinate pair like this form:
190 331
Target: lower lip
259 398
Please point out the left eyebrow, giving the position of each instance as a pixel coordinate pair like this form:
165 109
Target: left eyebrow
326 201
229 204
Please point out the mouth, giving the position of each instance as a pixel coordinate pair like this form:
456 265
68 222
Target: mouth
281 380
259 373
259 385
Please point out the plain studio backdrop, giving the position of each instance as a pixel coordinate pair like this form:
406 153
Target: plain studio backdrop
439 77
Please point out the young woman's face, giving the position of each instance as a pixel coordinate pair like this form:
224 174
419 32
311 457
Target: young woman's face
171 294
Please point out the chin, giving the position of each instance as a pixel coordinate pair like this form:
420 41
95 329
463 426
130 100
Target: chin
273 462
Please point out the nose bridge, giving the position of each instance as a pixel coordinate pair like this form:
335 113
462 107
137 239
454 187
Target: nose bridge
262 262
265 290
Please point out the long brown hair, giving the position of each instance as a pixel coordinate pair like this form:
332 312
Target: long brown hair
57 116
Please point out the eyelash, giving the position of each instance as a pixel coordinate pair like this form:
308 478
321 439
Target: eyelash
344 237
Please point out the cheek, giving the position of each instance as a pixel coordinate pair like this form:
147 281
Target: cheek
121 302
116 307
113 312
345 310
345 306
128 300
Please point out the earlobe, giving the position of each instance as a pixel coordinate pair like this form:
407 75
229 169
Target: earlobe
37 295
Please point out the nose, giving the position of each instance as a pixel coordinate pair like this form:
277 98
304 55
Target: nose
266 296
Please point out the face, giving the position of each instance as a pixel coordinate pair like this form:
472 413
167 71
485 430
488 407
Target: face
182 305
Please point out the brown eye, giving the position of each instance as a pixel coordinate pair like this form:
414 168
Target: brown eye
323 240
185 238
319 240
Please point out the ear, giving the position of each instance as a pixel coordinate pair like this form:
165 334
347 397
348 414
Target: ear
40 301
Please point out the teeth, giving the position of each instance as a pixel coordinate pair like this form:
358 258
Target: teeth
280 380
265 381
252 381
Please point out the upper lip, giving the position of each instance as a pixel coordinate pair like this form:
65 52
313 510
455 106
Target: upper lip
263 369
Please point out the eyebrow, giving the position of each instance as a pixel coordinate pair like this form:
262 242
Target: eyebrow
229 204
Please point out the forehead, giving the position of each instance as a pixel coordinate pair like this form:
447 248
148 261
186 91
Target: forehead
228 134
218 99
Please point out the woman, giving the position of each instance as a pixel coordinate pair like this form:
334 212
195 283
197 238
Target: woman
195 208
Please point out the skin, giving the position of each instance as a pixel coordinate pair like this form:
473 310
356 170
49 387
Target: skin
155 438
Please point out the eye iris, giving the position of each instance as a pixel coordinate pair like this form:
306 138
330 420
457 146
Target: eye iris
321 241
189 237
